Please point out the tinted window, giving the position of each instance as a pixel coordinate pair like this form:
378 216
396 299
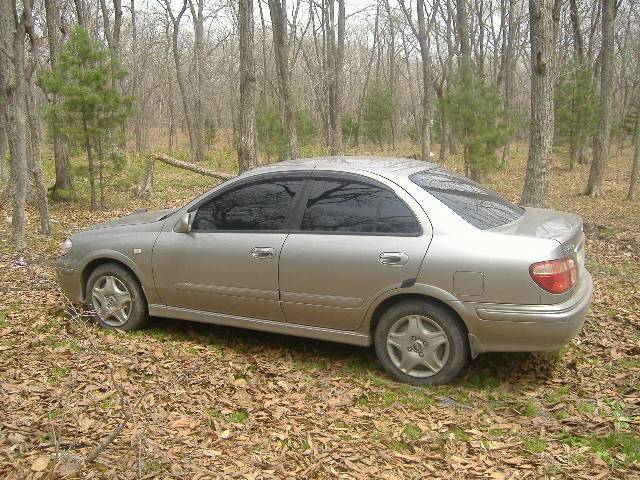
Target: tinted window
479 206
259 206
351 206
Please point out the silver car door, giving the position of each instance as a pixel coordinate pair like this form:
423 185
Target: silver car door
228 262
358 239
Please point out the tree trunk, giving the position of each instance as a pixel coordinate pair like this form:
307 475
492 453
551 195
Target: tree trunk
34 162
635 168
392 71
184 94
536 183
92 170
64 179
508 67
367 76
197 14
426 83
335 63
4 171
281 52
14 108
247 155
601 146
135 81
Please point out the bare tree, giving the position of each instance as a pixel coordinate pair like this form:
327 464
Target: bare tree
278 11
13 89
335 67
510 26
197 15
64 180
195 143
635 168
544 18
602 142
247 155
421 32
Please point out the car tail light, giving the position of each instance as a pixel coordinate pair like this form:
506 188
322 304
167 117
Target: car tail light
555 276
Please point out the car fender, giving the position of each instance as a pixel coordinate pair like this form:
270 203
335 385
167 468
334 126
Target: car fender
145 280
416 289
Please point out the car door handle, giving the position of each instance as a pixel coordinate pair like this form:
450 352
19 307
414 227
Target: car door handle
263 253
393 258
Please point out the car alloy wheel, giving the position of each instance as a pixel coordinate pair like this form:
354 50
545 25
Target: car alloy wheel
418 346
111 300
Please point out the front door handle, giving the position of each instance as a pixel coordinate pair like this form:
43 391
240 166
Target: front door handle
263 253
393 258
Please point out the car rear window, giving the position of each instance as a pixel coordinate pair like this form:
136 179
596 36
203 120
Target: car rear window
476 204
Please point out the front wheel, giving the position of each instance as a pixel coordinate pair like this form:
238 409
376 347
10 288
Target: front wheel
421 343
116 298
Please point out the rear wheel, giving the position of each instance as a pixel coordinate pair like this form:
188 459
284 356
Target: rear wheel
116 298
421 343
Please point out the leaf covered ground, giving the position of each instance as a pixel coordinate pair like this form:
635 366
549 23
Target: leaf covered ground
201 401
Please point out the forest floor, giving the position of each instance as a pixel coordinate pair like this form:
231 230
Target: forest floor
201 401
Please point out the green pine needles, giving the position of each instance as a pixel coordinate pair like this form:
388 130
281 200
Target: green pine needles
478 120
88 109
577 111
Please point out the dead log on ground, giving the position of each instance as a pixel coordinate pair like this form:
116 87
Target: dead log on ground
147 183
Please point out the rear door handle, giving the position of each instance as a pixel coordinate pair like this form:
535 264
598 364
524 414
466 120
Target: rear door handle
263 253
393 258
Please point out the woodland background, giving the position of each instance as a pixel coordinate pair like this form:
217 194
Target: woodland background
536 99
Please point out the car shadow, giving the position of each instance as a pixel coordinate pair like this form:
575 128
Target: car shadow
487 371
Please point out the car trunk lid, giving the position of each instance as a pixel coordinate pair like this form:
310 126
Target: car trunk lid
565 228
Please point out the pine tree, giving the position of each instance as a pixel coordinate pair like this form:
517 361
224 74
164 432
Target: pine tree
576 111
270 129
478 120
89 106
378 113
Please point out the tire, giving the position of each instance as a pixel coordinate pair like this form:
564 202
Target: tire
116 299
427 339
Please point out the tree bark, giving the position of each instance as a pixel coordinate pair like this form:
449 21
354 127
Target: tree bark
427 109
635 168
602 143
392 71
277 9
64 180
4 171
92 170
336 69
34 161
421 33
542 29
197 14
247 154
13 90
135 81
508 67
188 111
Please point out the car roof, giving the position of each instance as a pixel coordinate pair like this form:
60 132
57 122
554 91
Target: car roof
385 166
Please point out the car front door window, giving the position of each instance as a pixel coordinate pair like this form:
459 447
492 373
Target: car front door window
261 206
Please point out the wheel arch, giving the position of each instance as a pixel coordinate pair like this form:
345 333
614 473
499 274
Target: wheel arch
433 296
117 259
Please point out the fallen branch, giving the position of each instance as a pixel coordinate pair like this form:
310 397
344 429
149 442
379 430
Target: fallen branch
147 182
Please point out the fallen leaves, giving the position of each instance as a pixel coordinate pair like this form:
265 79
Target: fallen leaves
224 403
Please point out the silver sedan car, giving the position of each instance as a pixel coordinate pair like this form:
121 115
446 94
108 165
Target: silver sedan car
430 267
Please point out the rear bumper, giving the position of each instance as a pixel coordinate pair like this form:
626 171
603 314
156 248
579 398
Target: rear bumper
527 328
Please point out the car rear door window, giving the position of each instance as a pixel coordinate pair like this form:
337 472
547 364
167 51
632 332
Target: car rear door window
345 205
476 204
258 206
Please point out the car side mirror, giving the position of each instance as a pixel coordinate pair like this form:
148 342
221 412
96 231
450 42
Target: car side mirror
184 224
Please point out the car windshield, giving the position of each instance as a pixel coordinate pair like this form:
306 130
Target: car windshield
476 204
